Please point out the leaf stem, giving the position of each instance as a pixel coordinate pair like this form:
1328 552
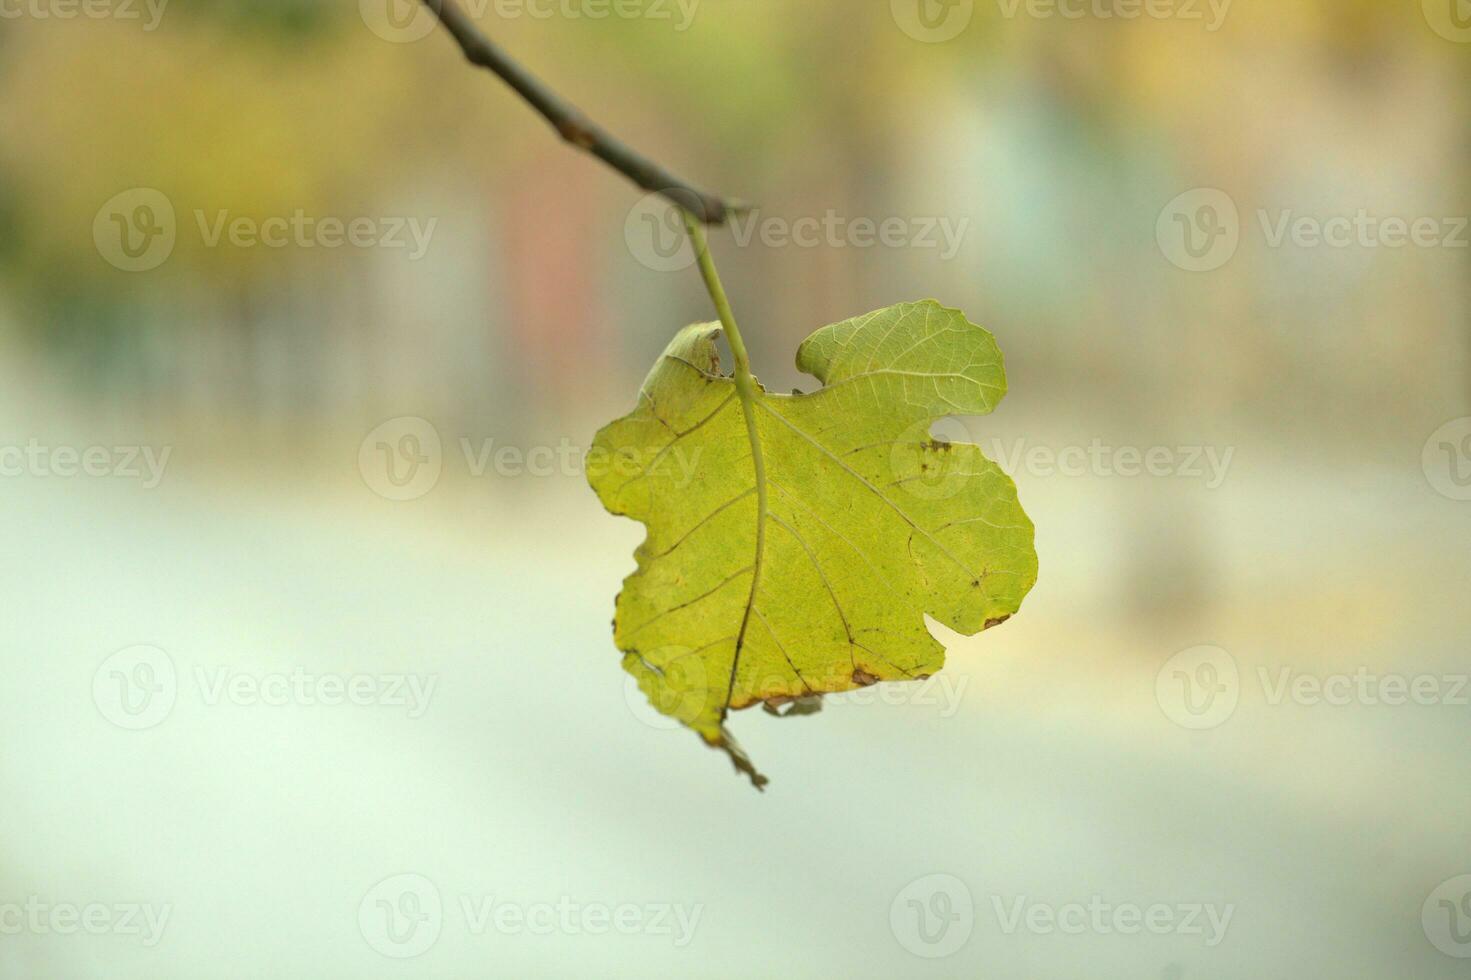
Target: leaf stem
749 391
722 302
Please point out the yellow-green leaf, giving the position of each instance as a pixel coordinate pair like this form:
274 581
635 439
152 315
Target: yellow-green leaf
795 542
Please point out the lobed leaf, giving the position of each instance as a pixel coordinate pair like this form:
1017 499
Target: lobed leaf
812 573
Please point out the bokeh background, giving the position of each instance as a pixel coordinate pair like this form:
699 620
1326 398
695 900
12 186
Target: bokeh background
1068 760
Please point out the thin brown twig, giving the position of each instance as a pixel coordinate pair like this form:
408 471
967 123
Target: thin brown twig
573 126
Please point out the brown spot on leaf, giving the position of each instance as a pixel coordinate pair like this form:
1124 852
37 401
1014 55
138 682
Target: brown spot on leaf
996 622
862 678
795 707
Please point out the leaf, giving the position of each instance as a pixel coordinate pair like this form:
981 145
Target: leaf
795 542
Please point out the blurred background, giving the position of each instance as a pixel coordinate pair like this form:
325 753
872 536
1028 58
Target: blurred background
304 325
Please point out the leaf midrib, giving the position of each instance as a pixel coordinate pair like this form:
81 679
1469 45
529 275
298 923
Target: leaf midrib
748 390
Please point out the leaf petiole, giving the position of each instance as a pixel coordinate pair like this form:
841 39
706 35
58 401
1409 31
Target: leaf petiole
744 381
749 391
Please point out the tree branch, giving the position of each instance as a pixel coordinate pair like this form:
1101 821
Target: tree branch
573 126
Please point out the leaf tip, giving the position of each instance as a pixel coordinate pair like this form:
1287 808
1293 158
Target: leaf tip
738 758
